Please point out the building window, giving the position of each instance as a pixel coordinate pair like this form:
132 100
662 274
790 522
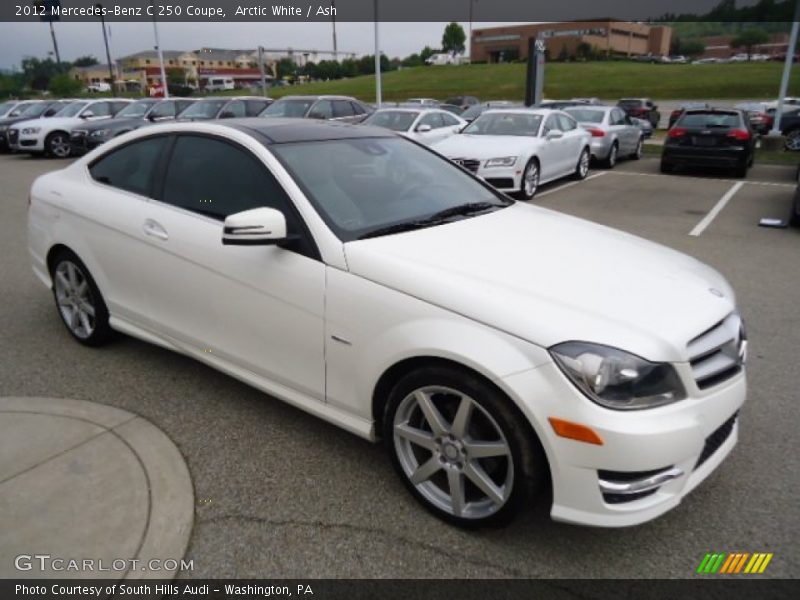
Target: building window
147 62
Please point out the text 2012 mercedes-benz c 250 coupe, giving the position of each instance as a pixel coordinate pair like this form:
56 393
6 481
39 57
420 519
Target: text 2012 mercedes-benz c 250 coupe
494 346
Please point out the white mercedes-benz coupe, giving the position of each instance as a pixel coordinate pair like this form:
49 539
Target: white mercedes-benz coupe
494 346
516 150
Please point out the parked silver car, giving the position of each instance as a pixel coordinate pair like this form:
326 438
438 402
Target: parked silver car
614 134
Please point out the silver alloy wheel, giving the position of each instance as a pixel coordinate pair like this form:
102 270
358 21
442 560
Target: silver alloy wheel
793 140
612 155
583 164
74 299
530 179
461 465
59 145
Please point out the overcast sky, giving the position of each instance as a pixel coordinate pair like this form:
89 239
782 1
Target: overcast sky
19 40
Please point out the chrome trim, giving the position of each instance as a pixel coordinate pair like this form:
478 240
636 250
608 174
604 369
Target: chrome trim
640 485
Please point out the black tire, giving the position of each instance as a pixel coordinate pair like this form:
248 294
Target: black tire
528 195
528 465
792 142
57 145
610 161
101 331
740 172
666 167
637 154
582 168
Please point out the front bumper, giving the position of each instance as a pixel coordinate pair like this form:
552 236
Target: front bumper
506 179
28 143
637 446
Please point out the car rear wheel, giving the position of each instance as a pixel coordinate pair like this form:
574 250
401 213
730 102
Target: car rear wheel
582 168
793 140
666 167
80 304
530 180
460 447
637 154
611 160
57 145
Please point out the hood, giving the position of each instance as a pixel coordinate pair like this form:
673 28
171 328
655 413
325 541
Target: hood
548 278
485 146
51 123
114 124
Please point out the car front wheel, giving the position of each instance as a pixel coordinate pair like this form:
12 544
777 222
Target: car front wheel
57 145
461 448
530 180
80 304
582 168
637 154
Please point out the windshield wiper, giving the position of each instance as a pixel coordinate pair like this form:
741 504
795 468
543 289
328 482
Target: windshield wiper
435 219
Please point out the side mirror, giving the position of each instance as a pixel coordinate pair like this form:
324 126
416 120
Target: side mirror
87 114
255 227
423 128
554 134
50 112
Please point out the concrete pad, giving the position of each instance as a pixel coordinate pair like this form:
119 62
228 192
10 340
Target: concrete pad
80 484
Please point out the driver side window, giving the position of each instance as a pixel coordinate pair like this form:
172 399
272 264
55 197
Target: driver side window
551 124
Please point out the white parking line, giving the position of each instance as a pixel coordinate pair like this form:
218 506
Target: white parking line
635 174
566 185
712 214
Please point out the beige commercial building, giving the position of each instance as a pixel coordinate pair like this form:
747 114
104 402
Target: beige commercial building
502 44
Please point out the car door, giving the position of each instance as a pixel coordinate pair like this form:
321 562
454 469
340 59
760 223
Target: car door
258 308
432 135
553 154
163 111
235 109
121 183
322 109
343 111
452 125
573 141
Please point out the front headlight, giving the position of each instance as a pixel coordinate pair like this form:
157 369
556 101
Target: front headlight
31 130
505 161
617 379
100 133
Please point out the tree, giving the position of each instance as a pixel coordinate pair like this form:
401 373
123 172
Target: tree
749 38
691 47
39 72
85 61
453 39
64 85
426 53
563 56
584 51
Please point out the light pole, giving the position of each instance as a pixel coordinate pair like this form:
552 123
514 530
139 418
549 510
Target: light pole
787 69
99 8
378 98
333 20
263 74
160 54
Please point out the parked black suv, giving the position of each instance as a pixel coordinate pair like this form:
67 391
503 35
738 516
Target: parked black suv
710 138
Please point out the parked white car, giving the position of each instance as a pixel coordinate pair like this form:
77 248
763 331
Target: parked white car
492 344
614 134
516 150
427 126
51 136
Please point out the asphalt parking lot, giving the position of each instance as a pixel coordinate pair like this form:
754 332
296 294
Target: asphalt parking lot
282 494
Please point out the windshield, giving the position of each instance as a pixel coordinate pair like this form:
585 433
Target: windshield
586 115
136 110
396 120
361 186
205 109
35 110
71 109
6 106
709 120
288 108
500 123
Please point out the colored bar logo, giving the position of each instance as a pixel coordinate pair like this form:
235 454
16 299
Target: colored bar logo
733 563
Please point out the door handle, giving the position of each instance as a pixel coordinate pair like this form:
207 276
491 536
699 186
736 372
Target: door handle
153 229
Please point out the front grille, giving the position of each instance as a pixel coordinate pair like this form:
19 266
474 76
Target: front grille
716 439
470 164
718 353
13 136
